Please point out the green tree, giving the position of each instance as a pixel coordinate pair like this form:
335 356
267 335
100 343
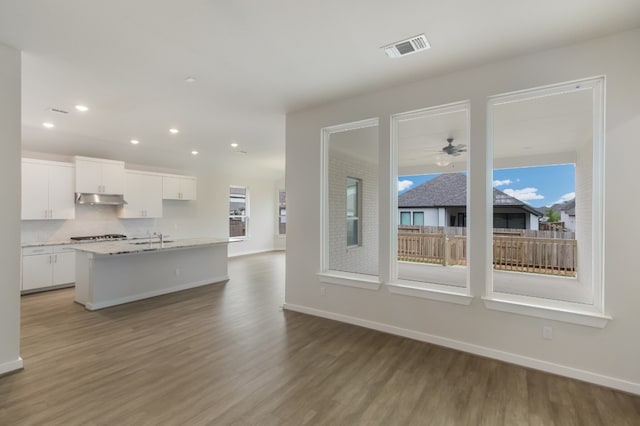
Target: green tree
552 215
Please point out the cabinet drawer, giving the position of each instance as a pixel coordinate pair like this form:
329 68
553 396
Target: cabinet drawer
63 249
32 251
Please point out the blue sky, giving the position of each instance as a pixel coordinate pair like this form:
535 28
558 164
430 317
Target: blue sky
537 186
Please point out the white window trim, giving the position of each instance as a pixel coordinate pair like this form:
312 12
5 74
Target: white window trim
424 290
589 314
246 213
348 279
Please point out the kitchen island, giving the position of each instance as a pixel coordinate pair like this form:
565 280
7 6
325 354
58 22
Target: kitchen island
116 272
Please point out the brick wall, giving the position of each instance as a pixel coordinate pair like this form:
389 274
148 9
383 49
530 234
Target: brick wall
362 259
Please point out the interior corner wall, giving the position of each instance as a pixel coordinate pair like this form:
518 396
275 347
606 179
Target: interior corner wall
607 356
262 217
10 131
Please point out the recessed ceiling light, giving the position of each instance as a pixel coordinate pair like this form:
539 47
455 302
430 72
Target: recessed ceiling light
174 131
194 152
190 79
234 145
135 141
48 125
82 108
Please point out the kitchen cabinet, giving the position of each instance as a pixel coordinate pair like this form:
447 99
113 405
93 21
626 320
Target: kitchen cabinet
47 190
98 176
48 267
176 187
143 194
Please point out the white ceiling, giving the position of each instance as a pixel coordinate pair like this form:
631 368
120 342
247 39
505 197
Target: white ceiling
254 61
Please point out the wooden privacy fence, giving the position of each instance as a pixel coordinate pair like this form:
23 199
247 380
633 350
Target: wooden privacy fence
554 256
433 248
540 255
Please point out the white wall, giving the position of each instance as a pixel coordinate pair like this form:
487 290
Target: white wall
262 217
10 107
608 356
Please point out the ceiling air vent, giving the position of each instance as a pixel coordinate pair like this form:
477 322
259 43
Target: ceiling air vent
407 47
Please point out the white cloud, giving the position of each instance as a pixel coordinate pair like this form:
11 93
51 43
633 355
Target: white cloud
404 184
566 197
502 182
524 194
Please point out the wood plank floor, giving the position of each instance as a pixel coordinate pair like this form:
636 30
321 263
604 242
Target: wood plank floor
226 354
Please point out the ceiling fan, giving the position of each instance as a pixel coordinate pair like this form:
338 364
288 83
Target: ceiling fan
454 150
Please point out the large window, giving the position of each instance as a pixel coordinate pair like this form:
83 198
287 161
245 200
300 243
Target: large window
547 146
429 238
238 212
282 212
350 184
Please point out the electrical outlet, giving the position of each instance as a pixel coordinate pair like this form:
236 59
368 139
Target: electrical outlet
323 291
547 332
177 272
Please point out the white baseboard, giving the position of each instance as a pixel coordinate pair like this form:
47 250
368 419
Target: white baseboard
536 364
105 304
8 367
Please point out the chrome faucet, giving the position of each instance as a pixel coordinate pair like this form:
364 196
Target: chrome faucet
159 235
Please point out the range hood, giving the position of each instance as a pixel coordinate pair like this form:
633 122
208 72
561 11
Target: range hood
100 199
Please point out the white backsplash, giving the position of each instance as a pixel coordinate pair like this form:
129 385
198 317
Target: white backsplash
178 221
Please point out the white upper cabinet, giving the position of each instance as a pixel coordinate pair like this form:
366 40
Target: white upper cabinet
47 190
143 194
98 176
176 187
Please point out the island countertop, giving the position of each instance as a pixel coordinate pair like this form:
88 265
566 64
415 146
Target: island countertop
139 246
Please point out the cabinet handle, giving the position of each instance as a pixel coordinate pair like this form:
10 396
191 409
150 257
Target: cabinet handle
50 260
46 214
55 258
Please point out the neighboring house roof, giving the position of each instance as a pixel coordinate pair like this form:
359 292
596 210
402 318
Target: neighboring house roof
569 207
450 190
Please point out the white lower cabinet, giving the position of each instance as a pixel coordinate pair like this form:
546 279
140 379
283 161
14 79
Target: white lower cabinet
46 267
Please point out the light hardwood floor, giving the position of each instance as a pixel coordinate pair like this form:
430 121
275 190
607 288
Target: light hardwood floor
226 354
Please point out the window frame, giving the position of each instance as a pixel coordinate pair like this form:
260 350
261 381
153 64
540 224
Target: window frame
424 289
244 217
550 304
326 275
357 218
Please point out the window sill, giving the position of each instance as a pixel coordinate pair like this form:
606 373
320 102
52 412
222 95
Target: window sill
560 311
348 279
232 239
449 294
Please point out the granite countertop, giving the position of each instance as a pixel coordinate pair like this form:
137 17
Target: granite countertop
51 243
140 246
